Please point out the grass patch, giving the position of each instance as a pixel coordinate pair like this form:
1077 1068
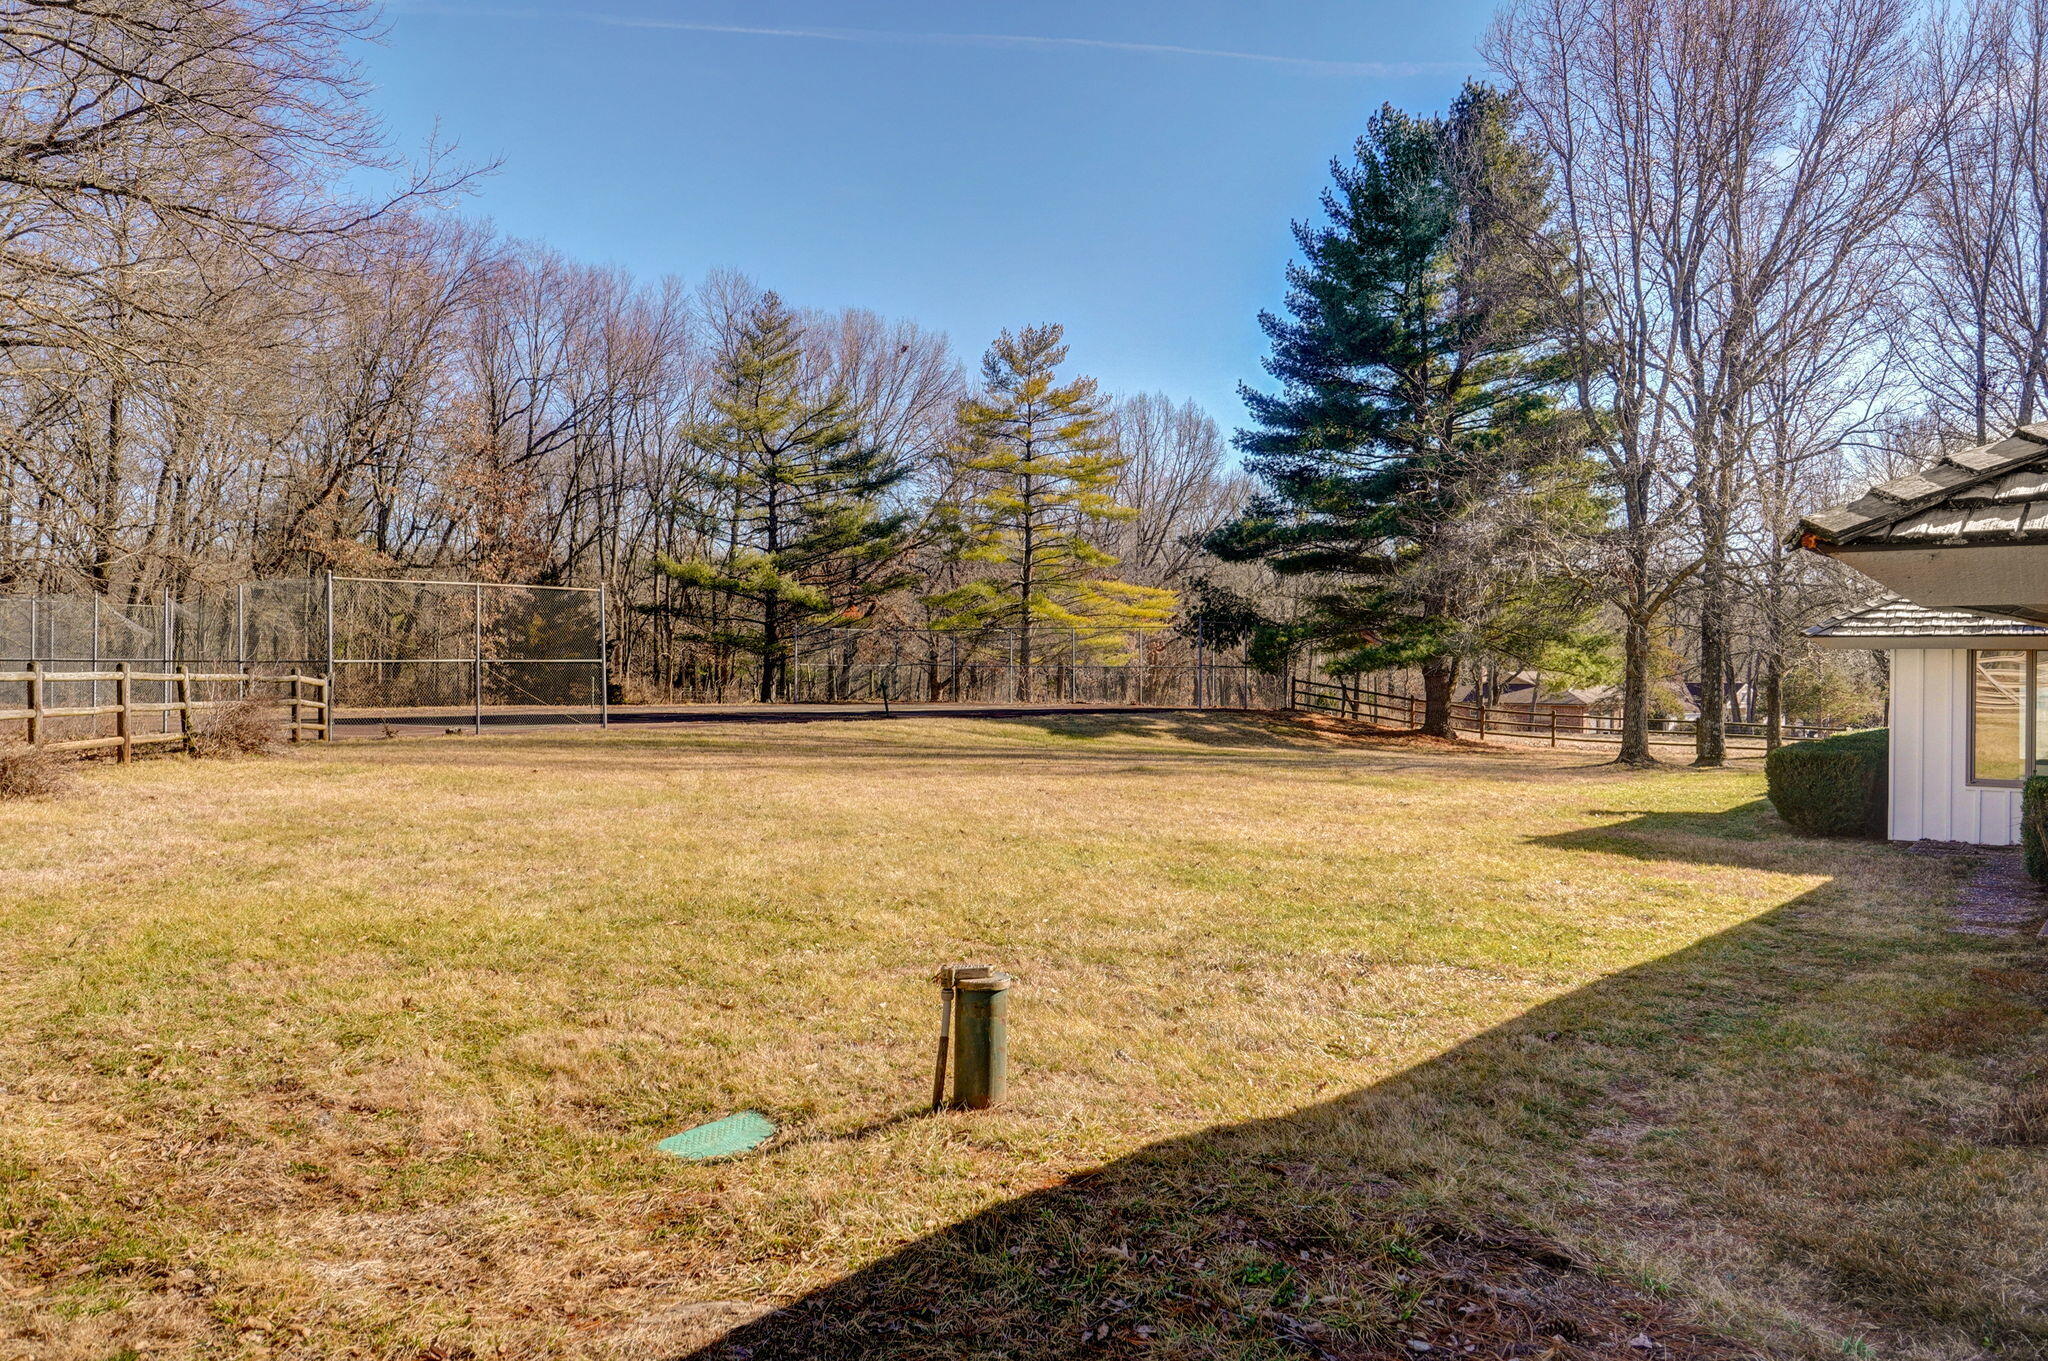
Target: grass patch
1321 1043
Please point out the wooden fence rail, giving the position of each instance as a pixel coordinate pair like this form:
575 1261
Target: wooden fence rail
1383 708
305 697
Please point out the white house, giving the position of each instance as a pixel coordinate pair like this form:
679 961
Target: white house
1963 547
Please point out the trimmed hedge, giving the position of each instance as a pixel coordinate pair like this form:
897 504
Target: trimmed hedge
2034 827
1835 786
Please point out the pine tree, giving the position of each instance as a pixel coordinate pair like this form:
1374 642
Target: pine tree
1040 450
1418 390
801 488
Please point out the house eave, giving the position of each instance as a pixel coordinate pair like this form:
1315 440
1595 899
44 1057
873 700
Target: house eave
2008 579
1900 642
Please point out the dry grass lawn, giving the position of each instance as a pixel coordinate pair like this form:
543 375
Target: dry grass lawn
1324 1046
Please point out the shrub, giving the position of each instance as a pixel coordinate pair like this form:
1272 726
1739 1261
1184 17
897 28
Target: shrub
1832 787
2034 827
246 727
30 772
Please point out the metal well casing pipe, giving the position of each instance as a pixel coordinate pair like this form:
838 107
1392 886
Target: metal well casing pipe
981 1041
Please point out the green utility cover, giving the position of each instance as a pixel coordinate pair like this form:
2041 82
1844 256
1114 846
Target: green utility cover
720 1138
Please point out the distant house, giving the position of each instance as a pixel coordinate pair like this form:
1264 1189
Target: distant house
1962 548
1739 696
1522 694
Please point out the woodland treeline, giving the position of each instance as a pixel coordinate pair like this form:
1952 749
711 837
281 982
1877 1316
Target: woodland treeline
1556 372
1568 361
218 363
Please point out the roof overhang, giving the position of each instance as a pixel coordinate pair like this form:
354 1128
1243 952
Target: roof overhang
1931 642
2009 579
1994 493
1889 623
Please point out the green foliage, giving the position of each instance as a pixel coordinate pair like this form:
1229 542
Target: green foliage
1417 450
1040 454
2034 827
1832 688
792 473
1221 617
1836 786
1218 615
1579 659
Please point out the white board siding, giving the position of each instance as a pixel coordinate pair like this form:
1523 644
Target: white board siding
1931 794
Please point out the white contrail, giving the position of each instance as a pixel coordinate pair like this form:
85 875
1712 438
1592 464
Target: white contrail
876 35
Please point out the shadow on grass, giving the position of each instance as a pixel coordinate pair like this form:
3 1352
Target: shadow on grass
1211 739
372 722
1219 728
1707 838
1735 1104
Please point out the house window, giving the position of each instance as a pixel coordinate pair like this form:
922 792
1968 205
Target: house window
2005 700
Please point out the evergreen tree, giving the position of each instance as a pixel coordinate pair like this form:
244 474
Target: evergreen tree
1041 453
1416 445
807 541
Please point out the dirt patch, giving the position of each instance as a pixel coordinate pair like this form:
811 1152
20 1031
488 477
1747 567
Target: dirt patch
1998 898
1351 732
1976 1027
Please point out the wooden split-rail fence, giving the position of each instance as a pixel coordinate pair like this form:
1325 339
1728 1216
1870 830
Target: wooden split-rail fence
303 698
1348 699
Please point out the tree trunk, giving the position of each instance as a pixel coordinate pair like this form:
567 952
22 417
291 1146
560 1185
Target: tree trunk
771 643
1439 674
1774 695
1710 732
1773 680
1635 684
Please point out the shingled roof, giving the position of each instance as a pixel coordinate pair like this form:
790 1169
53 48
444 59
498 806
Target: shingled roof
1891 617
1994 493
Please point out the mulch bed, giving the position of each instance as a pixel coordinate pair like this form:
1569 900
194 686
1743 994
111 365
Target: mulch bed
1998 899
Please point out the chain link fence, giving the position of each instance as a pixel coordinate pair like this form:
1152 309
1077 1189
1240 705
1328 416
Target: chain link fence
87 633
1162 667
384 643
436 650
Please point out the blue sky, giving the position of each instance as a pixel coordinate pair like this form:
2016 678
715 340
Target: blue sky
1126 168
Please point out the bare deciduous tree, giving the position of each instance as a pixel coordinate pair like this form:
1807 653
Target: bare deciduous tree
1976 318
1726 173
1177 475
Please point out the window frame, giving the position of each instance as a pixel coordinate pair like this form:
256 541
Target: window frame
2029 703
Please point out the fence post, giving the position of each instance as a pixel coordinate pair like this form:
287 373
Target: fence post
478 724
1481 697
184 693
1553 727
123 693
164 691
604 661
327 687
35 703
298 709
